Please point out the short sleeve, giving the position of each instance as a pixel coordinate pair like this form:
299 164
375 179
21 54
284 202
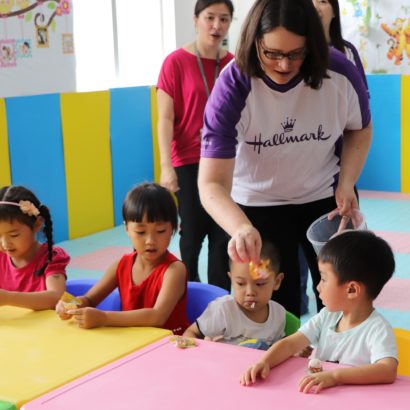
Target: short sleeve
353 55
59 262
278 320
223 113
382 343
357 99
313 327
212 322
166 79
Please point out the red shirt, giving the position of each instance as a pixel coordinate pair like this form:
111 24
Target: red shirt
144 295
181 79
24 279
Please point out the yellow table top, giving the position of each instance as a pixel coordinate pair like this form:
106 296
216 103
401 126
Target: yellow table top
39 352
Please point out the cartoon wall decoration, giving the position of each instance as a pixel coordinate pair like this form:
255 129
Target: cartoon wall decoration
380 29
36 41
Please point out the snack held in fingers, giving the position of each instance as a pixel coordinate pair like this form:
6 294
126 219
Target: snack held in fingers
70 302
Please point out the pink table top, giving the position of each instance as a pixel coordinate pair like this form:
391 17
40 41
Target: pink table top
161 376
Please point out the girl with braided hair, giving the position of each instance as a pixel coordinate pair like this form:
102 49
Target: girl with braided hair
32 274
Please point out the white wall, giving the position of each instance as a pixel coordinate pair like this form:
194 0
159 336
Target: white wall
184 25
241 10
168 22
31 63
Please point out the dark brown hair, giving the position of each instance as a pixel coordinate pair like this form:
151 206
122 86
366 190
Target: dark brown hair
201 5
335 29
297 16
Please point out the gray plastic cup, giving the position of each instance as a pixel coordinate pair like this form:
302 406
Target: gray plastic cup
321 230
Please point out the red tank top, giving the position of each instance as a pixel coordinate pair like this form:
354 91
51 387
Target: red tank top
144 295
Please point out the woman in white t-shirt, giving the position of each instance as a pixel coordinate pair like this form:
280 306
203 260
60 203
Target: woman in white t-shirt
271 157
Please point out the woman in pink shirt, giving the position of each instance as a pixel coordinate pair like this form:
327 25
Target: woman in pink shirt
32 274
187 77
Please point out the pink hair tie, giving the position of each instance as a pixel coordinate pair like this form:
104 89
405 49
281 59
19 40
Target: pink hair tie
26 207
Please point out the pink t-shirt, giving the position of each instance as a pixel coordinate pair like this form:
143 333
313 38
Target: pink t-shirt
24 279
181 79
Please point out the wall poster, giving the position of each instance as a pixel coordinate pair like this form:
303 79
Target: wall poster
36 47
380 30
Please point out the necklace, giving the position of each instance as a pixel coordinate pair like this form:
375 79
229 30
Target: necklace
201 68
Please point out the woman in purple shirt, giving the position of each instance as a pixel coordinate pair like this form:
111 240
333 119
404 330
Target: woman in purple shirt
272 160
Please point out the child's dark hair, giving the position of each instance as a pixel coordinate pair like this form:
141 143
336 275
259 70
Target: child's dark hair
8 212
270 252
360 256
150 200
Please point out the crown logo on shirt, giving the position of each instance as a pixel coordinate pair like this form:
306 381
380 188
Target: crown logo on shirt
288 124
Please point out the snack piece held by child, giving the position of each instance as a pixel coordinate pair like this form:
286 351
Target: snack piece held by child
261 270
70 302
315 366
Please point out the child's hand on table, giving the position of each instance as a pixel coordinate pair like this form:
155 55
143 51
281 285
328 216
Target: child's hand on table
69 302
249 377
62 311
317 381
88 318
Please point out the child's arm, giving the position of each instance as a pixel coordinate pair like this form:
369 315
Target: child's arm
46 299
96 294
383 371
193 331
213 322
173 287
277 353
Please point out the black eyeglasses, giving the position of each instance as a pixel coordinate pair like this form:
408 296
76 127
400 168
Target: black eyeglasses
279 55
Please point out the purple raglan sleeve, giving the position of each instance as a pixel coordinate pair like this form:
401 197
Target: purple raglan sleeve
357 62
223 112
341 64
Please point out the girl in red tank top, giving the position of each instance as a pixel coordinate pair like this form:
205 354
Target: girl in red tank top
152 282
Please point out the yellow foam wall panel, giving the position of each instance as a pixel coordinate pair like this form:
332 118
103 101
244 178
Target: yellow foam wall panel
5 175
87 157
403 346
154 121
405 133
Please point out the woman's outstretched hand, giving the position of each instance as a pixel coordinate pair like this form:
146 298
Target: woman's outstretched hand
245 245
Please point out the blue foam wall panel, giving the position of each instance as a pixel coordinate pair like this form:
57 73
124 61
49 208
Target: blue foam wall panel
36 153
382 169
131 142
